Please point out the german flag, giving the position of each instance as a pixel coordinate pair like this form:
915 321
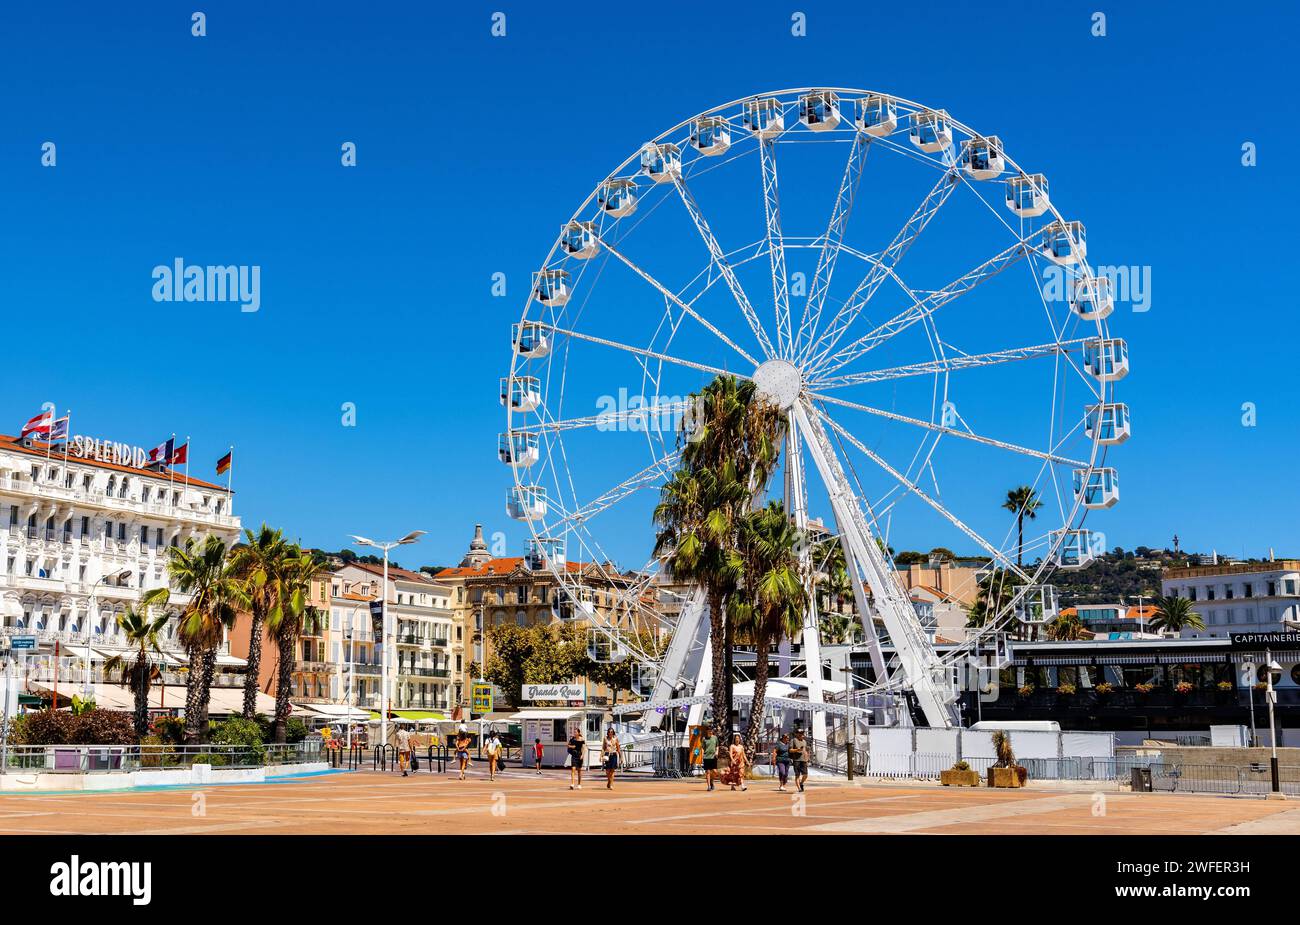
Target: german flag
223 464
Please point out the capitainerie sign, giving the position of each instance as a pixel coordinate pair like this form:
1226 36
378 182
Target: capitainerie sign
565 692
1265 639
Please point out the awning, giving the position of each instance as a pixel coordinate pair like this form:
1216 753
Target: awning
231 661
546 714
333 711
107 696
418 714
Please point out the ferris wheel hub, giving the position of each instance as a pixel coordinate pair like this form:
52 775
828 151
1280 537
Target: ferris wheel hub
780 382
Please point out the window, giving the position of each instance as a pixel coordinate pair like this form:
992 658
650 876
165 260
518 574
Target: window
144 536
1249 589
1191 593
85 527
1209 592
121 531
1228 592
1272 589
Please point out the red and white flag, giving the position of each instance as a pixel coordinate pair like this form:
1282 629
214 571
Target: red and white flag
181 456
39 424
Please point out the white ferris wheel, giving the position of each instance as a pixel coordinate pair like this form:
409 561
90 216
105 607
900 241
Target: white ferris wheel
892 279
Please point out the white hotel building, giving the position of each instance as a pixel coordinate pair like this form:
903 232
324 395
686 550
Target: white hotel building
83 538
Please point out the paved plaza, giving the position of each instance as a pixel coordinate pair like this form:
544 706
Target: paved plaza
377 803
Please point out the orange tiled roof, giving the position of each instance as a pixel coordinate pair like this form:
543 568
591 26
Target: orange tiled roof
10 442
393 572
503 566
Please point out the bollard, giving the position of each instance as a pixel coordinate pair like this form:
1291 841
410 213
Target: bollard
848 751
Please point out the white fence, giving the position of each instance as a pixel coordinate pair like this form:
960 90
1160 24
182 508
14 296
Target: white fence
903 752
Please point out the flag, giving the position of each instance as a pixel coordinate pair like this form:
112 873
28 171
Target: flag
162 453
59 429
223 464
181 456
39 424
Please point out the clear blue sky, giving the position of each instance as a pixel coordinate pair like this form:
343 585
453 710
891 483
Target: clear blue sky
472 149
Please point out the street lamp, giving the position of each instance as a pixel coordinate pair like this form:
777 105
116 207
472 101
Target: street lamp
412 537
1272 674
89 687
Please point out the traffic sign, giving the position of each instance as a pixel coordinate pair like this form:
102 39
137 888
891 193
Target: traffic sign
23 642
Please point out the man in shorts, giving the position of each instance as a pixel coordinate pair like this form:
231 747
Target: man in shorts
799 754
709 755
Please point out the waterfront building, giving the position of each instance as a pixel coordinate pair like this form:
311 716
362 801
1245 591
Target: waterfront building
1261 597
84 536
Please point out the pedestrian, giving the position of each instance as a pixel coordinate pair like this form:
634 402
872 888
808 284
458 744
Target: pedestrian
577 754
462 751
493 747
403 748
735 774
799 753
709 755
609 756
538 752
781 759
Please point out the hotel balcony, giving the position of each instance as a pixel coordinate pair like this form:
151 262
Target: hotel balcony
100 499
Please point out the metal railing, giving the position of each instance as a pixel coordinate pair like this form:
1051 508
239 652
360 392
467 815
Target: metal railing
85 759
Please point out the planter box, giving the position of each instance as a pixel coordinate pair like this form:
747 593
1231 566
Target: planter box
956 778
1004 777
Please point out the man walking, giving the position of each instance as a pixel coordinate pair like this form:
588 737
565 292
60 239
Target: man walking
709 755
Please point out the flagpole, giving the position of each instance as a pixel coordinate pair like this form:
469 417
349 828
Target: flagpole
66 440
171 473
49 439
187 462
230 477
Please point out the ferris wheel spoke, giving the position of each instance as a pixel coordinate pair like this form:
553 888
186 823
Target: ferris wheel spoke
639 351
649 416
1048 456
654 474
843 319
831 242
950 364
682 305
924 307
719 259
921 493
775 245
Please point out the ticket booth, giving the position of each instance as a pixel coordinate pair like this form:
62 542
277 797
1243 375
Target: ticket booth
554 726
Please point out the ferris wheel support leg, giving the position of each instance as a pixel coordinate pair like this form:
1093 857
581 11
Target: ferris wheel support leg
797 505
924 674
681 664
703 683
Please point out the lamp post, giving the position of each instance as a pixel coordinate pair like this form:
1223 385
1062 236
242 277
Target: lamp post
1272 673
349 649
89 687
411 537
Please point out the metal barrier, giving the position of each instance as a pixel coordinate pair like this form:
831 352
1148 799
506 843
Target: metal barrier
382 757
92 759
356 756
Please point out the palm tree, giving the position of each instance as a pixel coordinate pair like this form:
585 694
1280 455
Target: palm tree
142 633
1023 502
202 571
286 623
838 629
831 573
260 567
727 459
1174 614
1068 628
772 600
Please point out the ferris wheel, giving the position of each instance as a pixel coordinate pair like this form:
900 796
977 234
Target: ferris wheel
905 292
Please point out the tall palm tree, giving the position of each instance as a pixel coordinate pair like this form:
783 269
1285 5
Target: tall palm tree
287 623
1023 502
202 571
141 632
729 452
259 564
831 573
771 601
1174 614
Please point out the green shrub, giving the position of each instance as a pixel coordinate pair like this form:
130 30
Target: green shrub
105 727
961 766
295 730
245 735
